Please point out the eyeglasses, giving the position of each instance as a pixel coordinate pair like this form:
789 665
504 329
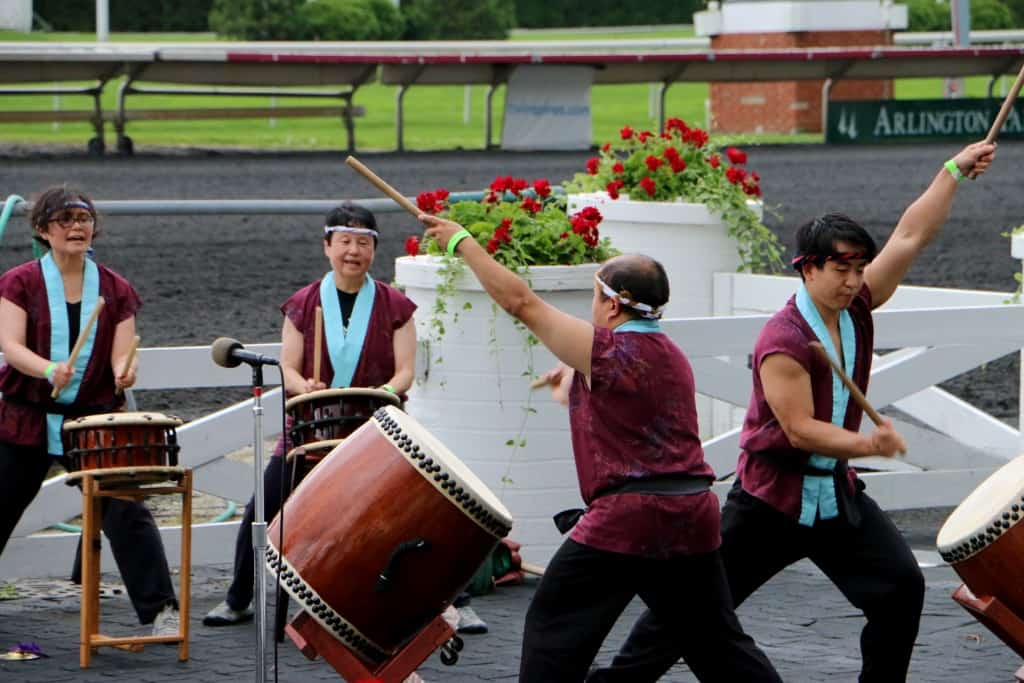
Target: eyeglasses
67 220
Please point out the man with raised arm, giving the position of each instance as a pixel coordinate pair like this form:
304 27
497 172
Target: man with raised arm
652 524
795 496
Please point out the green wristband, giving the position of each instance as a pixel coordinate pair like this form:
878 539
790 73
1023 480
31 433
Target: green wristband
48 372
388 388
954 170
456 238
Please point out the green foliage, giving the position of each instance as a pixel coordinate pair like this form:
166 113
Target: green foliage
348 20
1016 8
126 15
683 163
558 13
928 15
255 19
458 19
990 15
986 15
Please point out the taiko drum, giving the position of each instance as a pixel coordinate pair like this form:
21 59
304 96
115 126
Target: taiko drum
333 413
108 440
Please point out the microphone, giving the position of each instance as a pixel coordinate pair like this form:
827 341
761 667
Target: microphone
230 353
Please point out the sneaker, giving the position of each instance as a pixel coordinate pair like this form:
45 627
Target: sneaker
166 623
223 615
469 622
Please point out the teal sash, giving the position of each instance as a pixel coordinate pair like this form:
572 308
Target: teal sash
819 492
60 332
637 325
345 345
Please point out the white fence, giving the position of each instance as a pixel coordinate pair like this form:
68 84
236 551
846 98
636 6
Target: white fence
932 334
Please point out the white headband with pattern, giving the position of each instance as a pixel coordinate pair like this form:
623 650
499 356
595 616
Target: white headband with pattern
646 310
328 229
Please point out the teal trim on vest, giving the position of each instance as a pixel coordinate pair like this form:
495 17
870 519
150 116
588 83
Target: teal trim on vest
819 493
345 346
642 326
60 332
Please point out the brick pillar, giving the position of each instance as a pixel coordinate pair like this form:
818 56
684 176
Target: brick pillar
788 106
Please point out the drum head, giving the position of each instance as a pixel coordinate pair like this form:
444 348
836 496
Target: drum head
440 453
122 420
318 448
341 394
997 500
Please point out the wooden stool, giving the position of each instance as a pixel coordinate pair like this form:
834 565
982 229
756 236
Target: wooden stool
312 640
132 483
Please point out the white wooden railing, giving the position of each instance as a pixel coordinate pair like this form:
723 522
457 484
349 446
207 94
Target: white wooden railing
932 335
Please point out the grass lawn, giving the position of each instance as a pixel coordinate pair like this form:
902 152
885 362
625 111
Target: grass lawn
435 116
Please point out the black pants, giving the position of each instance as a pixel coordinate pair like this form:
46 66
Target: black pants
871 564
584 591
129 526
243 583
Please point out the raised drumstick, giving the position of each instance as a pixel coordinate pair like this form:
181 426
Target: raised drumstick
538 383
81 340
318 336
400 199
1004 111
131 359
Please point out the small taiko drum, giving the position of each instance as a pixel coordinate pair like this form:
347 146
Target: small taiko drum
984 541
383 534
333 413
109 440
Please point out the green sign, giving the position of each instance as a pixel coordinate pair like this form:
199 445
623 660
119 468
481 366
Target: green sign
872 121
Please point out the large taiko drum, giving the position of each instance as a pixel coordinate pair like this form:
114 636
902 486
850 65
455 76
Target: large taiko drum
110 440
383 534
333 413
304 458
984 541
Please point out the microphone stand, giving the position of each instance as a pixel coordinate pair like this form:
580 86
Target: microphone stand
259 525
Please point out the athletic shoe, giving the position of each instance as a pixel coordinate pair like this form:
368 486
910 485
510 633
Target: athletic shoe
469 622
223 615
166 623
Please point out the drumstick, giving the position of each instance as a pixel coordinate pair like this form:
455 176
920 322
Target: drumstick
1004 111
360 168
534 569
81 340
131 359
538 383
855 392
318 334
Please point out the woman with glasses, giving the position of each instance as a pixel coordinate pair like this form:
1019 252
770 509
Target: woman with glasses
44 306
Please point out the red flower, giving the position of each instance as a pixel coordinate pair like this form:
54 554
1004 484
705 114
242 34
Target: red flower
670 153
714 161
666 136
678 165
412 245
735 174
736 156
626 132
441 194
518 185
649 186
492 245
591 214
653 163
751 186
592 164
613 188
675 123
503 233
564 236
643 135
502 183
618 167
606 147
427 202
696 137
542 187
531 205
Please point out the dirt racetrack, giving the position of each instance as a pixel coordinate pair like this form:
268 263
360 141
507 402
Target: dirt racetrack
203 277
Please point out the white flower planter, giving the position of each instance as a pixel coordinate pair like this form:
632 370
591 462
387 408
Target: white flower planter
693 244
473 393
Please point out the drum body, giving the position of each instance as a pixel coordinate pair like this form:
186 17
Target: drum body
383 534
109 440
333 413
984 541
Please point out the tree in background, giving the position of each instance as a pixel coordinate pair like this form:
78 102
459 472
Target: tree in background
458 19
566 13
349 20
126 15
986 15
255 19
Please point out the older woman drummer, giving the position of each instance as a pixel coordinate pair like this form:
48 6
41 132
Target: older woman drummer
370 341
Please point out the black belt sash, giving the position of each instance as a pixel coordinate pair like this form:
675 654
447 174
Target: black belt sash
844 498
667 485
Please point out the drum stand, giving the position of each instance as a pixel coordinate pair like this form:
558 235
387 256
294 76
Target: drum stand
128 483
997 617
313 640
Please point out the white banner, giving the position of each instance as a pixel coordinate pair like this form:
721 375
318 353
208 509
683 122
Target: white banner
548 108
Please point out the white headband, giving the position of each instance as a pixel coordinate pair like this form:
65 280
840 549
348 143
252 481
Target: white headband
646 311
328 229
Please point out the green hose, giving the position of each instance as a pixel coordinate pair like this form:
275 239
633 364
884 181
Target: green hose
5 214
228 513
